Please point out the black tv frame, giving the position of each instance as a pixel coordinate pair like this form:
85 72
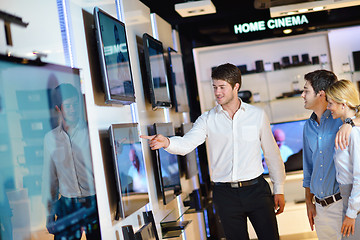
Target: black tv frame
151 43
175 94
168 193
188 163
121 211
128 96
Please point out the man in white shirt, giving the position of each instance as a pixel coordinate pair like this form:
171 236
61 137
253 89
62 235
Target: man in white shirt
235 132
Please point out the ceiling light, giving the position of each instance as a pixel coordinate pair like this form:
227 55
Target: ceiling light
311 6
195 8
318 8
287 31
303 10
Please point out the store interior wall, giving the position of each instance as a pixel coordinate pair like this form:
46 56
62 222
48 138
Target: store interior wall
43 34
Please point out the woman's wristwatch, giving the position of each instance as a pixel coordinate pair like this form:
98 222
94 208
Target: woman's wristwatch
349 121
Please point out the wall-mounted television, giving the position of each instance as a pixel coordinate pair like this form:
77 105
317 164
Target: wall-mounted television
166 165
156 72
114 58
189 162
129 167
178 91
32 154
289 137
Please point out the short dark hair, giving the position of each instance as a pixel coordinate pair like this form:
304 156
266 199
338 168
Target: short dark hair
320 79
62 92
227 72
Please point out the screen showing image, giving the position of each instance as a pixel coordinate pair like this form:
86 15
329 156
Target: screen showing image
177 77
114 58
129 167
189 163
289 136
156 72
47 184
167 166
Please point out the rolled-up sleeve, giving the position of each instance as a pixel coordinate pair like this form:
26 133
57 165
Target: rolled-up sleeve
272 156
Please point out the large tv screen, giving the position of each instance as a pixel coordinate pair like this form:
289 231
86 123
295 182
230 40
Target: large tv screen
114 58
189 162
156 73
167 166
46 175
177 81
289 136
129 168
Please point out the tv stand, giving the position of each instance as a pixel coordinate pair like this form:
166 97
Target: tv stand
172 226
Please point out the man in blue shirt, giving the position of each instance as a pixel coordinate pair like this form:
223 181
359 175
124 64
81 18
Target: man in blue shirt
323 200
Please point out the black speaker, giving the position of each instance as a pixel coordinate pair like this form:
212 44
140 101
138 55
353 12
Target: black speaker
295 59
356 59
245 96
276 66
285 61
315 60
128 232
243 69
305 58
259 66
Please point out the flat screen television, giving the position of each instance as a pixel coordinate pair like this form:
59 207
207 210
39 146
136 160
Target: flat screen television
289 137
189 162
114 58
166 166
30 184
177 81
156 72
129 167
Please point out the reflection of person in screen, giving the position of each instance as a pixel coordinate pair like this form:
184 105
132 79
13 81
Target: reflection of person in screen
137 172
135 179
285 150
235 133
68 181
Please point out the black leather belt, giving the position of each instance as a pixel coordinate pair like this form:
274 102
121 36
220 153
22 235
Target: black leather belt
329 200
239 184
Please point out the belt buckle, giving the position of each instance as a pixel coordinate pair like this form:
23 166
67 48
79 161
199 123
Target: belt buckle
236 184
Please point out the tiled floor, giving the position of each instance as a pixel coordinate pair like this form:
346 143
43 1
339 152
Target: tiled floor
299 236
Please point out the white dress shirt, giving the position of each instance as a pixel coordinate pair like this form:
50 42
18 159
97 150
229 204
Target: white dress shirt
234 145
347 164
67 164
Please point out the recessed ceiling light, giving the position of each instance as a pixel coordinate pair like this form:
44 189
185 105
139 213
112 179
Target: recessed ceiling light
303 10
291 13
318 8
287 31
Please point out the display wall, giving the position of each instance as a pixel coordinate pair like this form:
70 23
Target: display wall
101 115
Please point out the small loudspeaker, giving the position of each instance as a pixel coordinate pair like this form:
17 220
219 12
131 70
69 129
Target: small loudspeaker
243 69
259 66
295 59
356 59
285 61
315 60
305 58
277 66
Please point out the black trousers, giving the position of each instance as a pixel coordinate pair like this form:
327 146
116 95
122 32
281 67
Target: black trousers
255 202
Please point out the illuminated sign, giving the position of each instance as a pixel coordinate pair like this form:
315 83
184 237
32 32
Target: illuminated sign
114 49
270 24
